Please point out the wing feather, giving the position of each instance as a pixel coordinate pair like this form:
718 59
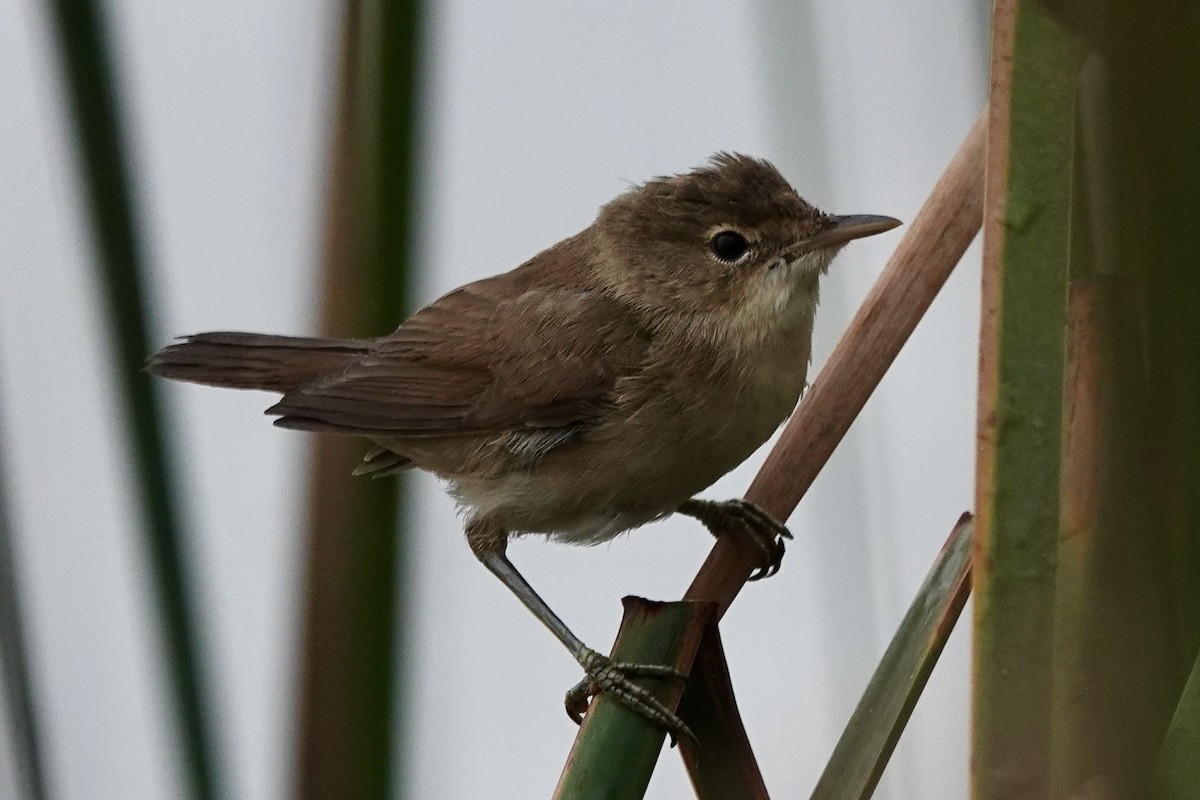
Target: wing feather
481 360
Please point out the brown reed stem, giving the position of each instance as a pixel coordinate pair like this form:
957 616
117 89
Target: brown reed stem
916 272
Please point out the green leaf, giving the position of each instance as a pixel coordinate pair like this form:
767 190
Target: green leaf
1177 771
352 665
91 91
1021 406
870 736
14 668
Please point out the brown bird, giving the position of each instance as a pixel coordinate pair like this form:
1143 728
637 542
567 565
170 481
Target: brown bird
597 387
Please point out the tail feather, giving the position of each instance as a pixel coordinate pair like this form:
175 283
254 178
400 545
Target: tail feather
253 360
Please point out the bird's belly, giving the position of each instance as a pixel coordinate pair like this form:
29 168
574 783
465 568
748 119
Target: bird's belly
697 445
638 467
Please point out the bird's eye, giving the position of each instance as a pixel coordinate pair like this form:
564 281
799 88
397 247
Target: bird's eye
729 246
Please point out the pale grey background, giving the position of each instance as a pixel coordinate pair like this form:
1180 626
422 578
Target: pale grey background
537 113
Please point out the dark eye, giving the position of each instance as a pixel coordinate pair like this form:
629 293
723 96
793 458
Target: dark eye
729 246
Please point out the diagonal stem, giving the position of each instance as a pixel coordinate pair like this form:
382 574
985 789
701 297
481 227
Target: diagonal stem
916 272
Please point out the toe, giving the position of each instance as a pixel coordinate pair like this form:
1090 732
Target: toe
577 700
615 681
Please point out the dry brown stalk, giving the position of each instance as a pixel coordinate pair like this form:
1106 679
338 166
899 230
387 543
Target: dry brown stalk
916 272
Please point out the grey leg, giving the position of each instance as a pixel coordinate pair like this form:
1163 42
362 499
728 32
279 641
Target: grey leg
488 541
753 526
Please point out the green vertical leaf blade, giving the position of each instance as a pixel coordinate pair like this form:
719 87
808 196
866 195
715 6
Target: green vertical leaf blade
352 669
1026 247
1153 65
1117 674
91 92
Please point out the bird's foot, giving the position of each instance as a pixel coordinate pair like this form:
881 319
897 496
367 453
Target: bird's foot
615 680
747 522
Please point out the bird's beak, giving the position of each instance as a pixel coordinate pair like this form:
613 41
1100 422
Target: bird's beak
841 229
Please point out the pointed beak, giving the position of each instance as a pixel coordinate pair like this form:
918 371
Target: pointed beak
842 229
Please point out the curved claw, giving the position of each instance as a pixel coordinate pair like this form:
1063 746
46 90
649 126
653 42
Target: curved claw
772 563
614 679
748 522
576 701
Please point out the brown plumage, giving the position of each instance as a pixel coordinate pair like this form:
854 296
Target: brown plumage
596 387
253 360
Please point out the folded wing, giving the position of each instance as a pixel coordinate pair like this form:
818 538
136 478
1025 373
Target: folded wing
481 360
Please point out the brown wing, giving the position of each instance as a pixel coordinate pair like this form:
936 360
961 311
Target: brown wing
480 361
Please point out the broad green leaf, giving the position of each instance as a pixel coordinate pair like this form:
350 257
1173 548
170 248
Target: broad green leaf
1021 404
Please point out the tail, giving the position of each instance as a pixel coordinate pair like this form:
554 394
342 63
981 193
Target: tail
253 360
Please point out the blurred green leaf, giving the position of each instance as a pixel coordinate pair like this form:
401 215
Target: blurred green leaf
1153 64
91 92
14 664
1115 636
350 742
1177 771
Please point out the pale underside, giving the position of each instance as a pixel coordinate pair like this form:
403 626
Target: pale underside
583 418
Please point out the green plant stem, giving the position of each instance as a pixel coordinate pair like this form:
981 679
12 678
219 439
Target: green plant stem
350 744
616 750
723 767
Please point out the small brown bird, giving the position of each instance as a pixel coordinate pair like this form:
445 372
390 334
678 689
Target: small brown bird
597 387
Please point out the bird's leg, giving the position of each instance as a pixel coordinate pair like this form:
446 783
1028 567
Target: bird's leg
747 522
488 541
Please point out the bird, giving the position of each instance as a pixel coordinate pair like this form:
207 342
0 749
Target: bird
597 387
